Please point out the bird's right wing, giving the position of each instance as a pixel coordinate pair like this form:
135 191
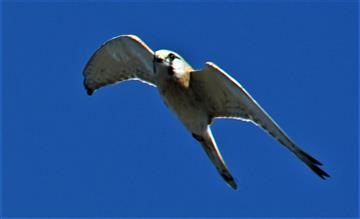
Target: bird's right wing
125 57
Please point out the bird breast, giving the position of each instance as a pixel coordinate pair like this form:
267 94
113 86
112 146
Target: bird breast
186 105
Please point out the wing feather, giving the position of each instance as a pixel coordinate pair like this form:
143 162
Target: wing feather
121 58
227 98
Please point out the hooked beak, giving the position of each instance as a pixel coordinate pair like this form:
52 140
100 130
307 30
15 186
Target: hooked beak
156 60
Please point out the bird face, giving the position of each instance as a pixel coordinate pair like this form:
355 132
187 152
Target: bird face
170 62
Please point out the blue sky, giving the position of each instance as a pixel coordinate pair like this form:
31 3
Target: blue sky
122 153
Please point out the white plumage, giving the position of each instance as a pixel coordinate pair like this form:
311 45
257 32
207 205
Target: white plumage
196 96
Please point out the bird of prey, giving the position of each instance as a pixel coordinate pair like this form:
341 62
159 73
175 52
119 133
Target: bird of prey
197 97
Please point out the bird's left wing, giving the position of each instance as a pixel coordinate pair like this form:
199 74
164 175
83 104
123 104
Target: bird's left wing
125 57
225 97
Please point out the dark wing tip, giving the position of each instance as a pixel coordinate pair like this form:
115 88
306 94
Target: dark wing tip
321 173
233 185
89 90
313 164
229 180
310 158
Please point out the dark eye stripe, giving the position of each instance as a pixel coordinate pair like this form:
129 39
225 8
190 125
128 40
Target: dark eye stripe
171 56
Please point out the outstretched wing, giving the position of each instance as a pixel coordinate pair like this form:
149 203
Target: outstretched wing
125 57
227 98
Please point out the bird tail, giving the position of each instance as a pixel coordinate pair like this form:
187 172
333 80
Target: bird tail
207 141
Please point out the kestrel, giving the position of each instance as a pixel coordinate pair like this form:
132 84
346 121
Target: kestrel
196 96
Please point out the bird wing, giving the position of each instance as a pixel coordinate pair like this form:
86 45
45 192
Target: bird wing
125 57
225 97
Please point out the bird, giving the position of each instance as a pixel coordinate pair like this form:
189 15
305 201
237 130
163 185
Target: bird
197 97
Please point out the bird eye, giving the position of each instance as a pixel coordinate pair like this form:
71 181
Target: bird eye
171 56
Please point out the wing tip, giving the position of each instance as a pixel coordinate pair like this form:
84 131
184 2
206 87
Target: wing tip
89 90
229 180
320 172
314 164
310 158
233 185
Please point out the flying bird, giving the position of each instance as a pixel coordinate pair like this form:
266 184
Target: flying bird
197 97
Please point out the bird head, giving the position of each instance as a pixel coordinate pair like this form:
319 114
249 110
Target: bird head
171 62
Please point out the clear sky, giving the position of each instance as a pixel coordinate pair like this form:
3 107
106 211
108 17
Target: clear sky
121 152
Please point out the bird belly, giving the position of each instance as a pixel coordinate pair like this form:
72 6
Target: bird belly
189 109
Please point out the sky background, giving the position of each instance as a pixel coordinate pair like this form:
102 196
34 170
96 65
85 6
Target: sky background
122 153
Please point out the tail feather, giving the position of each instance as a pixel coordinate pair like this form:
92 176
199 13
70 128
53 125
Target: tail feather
207 141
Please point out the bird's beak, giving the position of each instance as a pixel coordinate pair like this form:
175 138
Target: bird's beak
154 59
157 59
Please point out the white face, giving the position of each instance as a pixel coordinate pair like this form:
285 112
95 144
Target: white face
175 65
